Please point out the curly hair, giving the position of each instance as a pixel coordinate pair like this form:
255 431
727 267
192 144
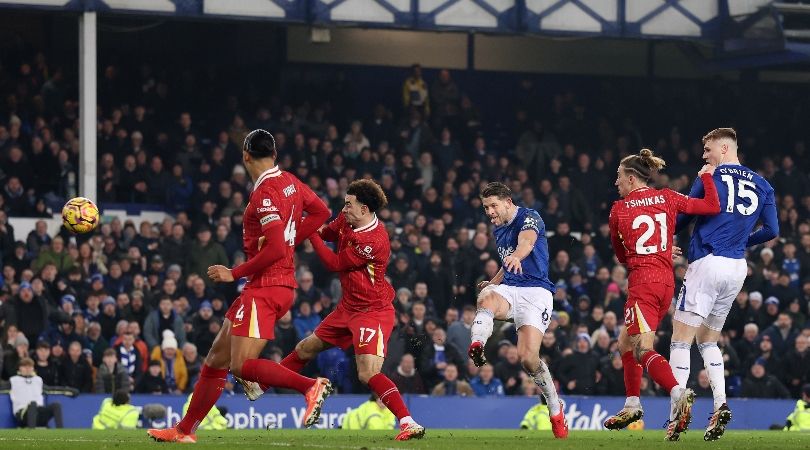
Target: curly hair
368 193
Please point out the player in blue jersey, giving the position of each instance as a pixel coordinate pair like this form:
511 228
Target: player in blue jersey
520 291
717 267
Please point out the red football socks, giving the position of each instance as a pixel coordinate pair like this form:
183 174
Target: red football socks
206 393
388 393
294 362
659 369
271 373
632 375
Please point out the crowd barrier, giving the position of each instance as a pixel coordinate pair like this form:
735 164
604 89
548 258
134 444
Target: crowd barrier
285 411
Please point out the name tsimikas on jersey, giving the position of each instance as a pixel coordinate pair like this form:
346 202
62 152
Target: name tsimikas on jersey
646 201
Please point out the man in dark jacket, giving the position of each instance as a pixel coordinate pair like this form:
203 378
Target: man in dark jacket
76 371
577 371
27 311
435 357
759 384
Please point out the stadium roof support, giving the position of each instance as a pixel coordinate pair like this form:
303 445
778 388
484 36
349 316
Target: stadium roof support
87 104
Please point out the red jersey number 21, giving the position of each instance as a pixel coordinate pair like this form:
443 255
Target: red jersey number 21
649 230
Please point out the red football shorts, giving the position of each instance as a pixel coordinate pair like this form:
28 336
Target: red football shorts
646 306
368 332
255 312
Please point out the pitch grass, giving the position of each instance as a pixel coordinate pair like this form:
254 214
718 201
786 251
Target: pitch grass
372 440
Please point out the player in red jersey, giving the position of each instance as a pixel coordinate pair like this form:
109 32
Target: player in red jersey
272 226
641 229
365 315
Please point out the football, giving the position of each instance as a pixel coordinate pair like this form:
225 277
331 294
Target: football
80 215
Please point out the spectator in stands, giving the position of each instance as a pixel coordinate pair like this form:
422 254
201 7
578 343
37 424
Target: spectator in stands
75 370
45 367
95 342
485 384
204 253
153 381
435 357
782 333
11 360
54 254
760 384
160 320
458 334
509 370
451 385
29 312
406 377
130 358
796 365
577 371
111 375
193 364
172 366
415 91
305 321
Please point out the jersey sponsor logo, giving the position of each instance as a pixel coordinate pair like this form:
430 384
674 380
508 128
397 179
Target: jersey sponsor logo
267 202
269 218
263 210
365 251
646 201
504 252
530 222
289 190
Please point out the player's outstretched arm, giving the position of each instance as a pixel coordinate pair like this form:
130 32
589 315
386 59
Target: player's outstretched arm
495 280
683 220
710 203
267 255
526 241
331 232
317 215
770 223
337 262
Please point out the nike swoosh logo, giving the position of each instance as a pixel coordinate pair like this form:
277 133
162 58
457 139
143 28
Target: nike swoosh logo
716 364
361 345
682 368
235 325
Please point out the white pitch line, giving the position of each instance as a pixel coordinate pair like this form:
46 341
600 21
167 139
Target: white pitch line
271 444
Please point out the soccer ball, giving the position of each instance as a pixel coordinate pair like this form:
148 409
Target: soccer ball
80 215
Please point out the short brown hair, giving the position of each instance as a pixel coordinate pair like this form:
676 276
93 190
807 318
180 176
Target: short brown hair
368 193
26 362
644 165
496 189
720 133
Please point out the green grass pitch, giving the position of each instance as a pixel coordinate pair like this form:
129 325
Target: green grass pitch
369 440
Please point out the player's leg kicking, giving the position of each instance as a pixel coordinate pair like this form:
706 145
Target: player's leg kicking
710 287
649 301
535 306
240 354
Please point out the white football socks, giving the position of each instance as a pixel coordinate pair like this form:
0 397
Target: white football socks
481 328
713 361
680 361
543 379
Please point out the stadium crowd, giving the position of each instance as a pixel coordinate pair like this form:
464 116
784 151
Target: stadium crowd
129 306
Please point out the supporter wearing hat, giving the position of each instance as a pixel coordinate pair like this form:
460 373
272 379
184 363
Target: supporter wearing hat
577 370
28 311
760 384
172 365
